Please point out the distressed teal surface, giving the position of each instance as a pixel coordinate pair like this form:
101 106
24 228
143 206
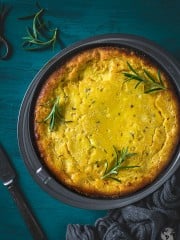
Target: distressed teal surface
156 20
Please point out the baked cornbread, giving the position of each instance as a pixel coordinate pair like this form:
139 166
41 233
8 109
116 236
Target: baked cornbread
90 111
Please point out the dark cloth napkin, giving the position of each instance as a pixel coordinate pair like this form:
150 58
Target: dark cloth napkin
154 218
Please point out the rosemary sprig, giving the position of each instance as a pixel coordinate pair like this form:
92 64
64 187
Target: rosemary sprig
40 35
120 157
54 116
151 83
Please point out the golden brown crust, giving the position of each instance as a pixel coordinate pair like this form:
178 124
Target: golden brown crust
100 110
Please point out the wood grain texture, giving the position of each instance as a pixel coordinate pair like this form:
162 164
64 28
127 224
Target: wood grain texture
77 20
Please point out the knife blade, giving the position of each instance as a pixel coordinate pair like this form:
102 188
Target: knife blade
7 173
8 177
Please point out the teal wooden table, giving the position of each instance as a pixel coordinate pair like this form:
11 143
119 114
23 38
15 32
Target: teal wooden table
77 20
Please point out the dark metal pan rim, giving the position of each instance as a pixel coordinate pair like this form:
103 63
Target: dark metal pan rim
26 141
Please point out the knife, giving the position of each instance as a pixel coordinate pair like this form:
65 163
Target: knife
8 177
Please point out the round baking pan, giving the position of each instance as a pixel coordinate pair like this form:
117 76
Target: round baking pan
25 121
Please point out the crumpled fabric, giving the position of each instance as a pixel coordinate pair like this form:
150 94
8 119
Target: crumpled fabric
144 220
85 232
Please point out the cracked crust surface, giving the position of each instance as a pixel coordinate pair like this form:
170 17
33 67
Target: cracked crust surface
101 110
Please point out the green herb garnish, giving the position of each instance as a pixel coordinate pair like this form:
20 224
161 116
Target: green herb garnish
54 116
120 157
151 83
40 35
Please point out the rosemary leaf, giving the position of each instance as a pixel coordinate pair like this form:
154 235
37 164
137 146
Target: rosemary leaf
153 90
35 19
148 74
38 5
131 68
159 77
137 84
27 17
116 179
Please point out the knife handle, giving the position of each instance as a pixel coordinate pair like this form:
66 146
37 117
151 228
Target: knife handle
29 218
